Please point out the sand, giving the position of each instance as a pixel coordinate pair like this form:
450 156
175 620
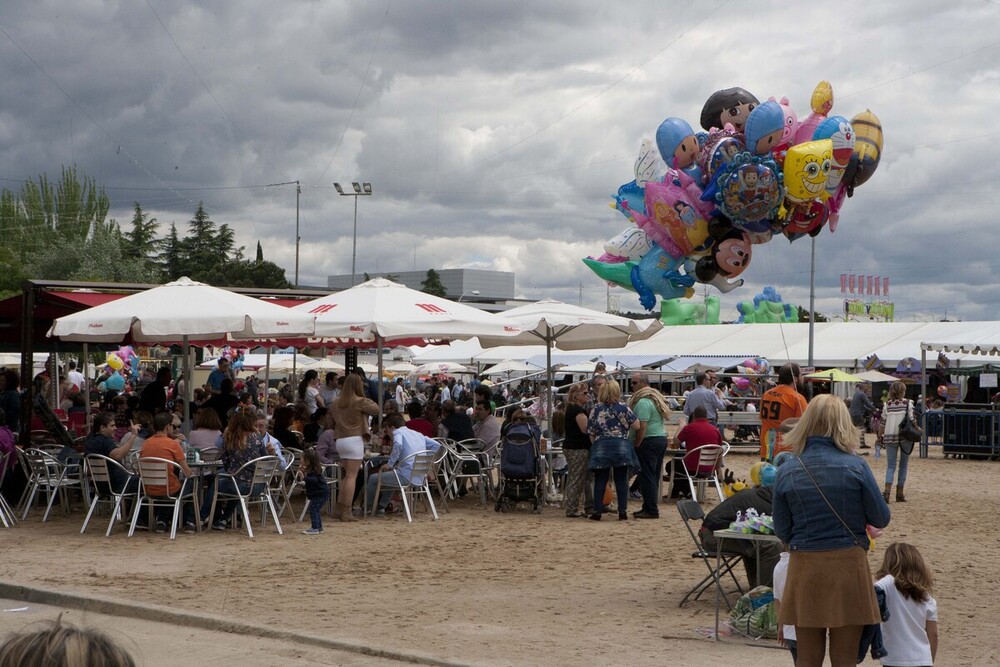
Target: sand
484 588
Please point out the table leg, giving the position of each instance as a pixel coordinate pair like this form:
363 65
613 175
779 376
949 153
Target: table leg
718 585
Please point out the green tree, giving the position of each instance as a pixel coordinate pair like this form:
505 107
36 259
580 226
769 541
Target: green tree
432 284
141 240
171 255
804 315
244 273
260 252
71 208
107 257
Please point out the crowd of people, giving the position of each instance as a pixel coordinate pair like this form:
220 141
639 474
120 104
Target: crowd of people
824 499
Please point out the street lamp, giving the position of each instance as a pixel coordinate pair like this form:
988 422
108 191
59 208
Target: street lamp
360 190
472 292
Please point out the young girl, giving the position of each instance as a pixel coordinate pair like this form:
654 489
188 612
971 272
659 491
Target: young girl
317 490
910 635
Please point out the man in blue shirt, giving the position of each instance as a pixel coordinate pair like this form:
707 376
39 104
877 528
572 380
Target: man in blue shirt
704 396
405 443
216 377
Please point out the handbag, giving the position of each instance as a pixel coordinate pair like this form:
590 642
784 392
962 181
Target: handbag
909 433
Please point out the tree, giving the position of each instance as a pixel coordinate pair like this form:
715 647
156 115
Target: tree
432 284
107 257
171 255
260 252
244 273
141 240
804 315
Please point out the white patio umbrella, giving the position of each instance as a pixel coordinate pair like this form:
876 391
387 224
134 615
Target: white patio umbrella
381 311
328 364
402 367
509 367
447 367
571 328
183 310
288 362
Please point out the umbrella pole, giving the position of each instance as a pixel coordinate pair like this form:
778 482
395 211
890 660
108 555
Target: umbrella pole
188 388
267 382
550 378
86 389
381 389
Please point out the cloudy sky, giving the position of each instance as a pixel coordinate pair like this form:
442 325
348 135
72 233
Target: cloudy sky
494 133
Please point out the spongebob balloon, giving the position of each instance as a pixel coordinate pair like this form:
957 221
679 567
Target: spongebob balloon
807 167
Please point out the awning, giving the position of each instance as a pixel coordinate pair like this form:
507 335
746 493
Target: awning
720 361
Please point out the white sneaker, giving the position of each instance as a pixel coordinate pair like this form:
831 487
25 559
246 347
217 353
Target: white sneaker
311 531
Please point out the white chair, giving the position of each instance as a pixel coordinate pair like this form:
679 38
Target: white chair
51 477
154 473
707 469
332 473
283 482
99 470
422 466
439 476
259 493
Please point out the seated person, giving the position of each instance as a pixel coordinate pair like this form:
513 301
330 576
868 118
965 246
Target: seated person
310 435
242 443
405 443
101 441
207 431
724 514
486 427
163 445
417 423
270 442
456 422
282 428
696 433
326 446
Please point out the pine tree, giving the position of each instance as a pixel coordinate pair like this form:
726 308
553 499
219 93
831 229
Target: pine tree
432 285
260 252
171 256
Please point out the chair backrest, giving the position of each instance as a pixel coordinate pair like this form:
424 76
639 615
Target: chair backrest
97 466
690 511
708 457
100 467
210 454
422 463
155 474
42 464
263 469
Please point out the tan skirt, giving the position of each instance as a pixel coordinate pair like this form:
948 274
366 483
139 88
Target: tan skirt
829 589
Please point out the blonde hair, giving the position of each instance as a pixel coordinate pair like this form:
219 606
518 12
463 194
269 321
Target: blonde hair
908 569
609 392
897 390
353 389
58 643
825 416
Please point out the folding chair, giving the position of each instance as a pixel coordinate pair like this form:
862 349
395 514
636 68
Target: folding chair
155 473
690 511
264 469
50 476
418 484
99 470
709 460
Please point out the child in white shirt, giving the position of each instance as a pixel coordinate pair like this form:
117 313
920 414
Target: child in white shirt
786 633
910 636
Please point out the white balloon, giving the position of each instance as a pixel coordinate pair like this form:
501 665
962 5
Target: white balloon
632 243
649 165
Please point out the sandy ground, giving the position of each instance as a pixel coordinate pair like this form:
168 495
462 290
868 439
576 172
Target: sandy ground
480 587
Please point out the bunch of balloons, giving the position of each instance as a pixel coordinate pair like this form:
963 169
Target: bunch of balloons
236 356
700 201
124 360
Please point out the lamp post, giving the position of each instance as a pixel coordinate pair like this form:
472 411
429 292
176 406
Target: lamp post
472 292
360 190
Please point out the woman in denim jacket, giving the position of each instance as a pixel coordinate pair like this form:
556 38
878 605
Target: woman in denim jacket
823 501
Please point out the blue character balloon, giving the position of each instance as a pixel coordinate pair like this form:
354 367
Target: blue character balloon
764 128
679 146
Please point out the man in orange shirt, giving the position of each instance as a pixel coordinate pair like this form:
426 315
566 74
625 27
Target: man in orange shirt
778 404
162 445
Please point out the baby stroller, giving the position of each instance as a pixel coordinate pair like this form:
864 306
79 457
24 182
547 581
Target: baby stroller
521 471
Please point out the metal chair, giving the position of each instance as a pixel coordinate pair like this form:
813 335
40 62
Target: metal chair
52 477
154 475
283 482
709 459
422 465
690 511
439 476
465 465
332 473
99 470
259 492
